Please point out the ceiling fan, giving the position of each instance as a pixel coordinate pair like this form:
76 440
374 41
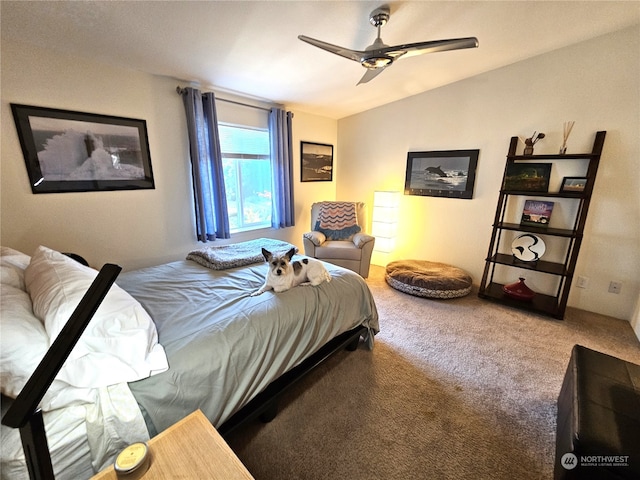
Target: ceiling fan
378 56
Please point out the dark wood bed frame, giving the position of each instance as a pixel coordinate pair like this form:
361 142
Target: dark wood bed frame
25 414
265 405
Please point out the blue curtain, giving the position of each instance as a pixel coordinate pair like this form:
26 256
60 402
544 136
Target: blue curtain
283 212
212 220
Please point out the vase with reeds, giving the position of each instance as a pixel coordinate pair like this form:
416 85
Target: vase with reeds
567 127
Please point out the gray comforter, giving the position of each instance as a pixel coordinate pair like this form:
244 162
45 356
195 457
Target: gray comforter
223 345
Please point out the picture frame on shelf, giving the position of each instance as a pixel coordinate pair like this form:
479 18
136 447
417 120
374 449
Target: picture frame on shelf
527 177
573 184
536 213
316 162
446 173
69 151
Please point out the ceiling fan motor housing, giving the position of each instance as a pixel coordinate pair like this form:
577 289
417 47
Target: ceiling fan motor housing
374 60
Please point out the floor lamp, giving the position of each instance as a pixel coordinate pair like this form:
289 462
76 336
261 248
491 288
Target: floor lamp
384 227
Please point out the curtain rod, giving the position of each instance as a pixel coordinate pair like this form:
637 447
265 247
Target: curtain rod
182 91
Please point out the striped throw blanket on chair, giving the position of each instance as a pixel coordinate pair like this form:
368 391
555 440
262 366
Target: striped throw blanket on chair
338 220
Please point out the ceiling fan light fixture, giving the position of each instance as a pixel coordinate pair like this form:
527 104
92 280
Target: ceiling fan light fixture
377 62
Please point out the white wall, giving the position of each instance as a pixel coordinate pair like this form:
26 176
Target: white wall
132 228
595 83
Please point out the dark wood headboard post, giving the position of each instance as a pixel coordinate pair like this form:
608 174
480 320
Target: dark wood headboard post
24 412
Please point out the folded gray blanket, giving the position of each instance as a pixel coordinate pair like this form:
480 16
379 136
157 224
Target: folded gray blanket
238 254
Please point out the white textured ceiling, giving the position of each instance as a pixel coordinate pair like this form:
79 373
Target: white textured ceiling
251 47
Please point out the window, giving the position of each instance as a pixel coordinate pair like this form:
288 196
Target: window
247 176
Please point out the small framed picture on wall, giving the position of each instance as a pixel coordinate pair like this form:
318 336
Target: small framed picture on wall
316 162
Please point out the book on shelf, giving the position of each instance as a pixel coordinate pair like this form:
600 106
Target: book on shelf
536 213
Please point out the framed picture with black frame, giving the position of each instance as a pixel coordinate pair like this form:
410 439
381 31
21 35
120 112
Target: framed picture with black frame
527 177
573 184
316 162
68 151
446 173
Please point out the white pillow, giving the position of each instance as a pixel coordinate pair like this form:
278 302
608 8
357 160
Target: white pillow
23 341
12 265
120 344
23 344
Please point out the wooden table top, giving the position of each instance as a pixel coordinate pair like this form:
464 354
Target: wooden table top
190 449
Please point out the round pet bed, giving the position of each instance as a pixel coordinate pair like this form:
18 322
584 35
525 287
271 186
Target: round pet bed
428 279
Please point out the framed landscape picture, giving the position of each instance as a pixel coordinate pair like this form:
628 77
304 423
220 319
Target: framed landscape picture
527 177
447 173
316 162
67 151
573 184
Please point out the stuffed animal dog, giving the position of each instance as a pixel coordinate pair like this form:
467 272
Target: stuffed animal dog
284 274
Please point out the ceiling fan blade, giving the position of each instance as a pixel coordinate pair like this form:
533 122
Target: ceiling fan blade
412 49
370 74
343 52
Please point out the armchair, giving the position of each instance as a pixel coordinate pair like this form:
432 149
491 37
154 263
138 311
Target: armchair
337 236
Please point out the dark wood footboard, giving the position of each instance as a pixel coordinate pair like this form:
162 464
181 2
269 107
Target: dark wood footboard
265 405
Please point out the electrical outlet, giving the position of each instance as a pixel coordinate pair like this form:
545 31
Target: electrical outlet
615 287
582 282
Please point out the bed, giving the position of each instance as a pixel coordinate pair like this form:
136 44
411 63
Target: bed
175 338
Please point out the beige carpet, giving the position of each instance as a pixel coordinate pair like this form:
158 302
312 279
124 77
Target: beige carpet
454 389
